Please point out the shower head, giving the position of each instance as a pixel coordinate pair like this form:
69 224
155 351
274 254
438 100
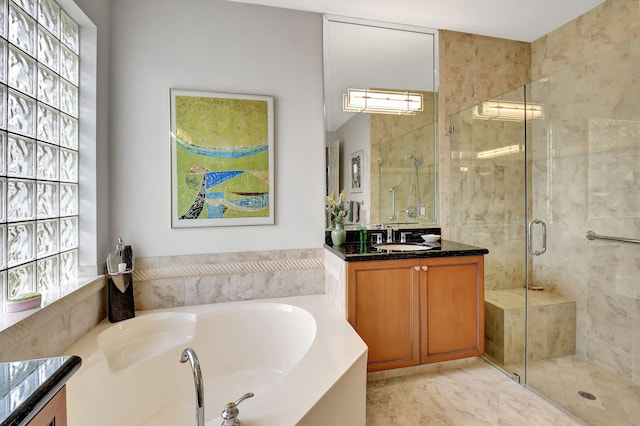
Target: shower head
418 162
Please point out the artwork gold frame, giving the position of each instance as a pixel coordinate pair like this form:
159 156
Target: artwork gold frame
222 159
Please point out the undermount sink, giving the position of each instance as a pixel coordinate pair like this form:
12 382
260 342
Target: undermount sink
402 247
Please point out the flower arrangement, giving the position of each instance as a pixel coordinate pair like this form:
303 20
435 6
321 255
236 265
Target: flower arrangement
335 206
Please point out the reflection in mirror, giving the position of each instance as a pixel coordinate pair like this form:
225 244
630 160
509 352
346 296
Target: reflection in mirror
380 122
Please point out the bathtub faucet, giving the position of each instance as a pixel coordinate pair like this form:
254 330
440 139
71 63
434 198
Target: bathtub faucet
189 355
230 412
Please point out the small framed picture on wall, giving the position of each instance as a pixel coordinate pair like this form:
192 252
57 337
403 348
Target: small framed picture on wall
355 171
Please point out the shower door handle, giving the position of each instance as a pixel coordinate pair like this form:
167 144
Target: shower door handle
530 239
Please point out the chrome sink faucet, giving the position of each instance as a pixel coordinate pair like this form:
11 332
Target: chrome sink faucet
389 230
189 355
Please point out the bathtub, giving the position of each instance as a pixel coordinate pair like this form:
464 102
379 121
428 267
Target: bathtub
304 363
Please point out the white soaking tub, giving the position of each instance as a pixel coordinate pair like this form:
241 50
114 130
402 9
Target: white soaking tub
304 363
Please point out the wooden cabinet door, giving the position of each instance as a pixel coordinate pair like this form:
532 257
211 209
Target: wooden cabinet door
383 307
452 308
54 413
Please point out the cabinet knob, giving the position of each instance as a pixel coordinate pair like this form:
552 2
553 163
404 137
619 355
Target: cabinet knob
424 268
417 268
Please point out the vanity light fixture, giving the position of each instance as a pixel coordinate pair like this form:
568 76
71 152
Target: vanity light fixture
382 101
499 152
508 111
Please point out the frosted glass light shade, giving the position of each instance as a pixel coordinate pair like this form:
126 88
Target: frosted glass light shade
382 102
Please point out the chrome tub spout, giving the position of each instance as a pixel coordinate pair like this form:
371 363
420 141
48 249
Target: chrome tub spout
189 355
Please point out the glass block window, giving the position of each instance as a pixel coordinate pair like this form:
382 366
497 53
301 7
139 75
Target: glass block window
39 95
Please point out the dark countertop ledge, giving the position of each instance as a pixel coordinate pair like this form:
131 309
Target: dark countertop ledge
27 386
354 252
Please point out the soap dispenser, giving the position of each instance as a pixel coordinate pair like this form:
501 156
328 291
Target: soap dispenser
120 283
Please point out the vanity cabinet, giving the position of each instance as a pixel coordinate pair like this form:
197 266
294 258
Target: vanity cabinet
384 308
54 413
452 314
417 311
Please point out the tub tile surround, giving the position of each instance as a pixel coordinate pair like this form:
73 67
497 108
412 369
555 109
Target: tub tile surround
49 331
335 275
164 282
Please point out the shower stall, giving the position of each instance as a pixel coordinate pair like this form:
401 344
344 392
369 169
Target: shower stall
531 172
406 175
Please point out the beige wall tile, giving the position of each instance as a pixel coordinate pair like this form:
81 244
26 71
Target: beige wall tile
612 23
473 68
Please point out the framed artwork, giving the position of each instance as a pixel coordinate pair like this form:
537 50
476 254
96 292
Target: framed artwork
356 171
222 159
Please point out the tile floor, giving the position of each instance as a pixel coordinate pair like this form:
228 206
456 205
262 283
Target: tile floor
465 392
560 379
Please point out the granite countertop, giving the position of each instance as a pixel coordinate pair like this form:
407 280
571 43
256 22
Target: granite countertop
353 251
27 386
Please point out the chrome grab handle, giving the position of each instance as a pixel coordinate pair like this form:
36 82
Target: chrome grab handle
544 237
593 236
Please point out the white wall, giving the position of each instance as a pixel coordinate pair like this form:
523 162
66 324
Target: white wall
354 135
216 46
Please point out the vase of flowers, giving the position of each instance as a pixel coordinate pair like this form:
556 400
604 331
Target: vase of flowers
335 207
338 234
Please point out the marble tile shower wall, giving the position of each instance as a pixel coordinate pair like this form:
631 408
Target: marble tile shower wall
395 142
473 68
586 177
396 170
589 77
163 282
593 79
487 194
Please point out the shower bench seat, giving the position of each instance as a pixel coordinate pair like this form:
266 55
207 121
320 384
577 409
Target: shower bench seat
552 325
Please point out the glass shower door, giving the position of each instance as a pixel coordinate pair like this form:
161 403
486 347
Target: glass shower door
530 173
488 208
583 162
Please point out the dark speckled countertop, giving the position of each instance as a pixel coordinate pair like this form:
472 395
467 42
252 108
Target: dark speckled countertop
27 386
353 251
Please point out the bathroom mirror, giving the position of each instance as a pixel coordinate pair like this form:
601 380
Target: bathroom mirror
382 68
